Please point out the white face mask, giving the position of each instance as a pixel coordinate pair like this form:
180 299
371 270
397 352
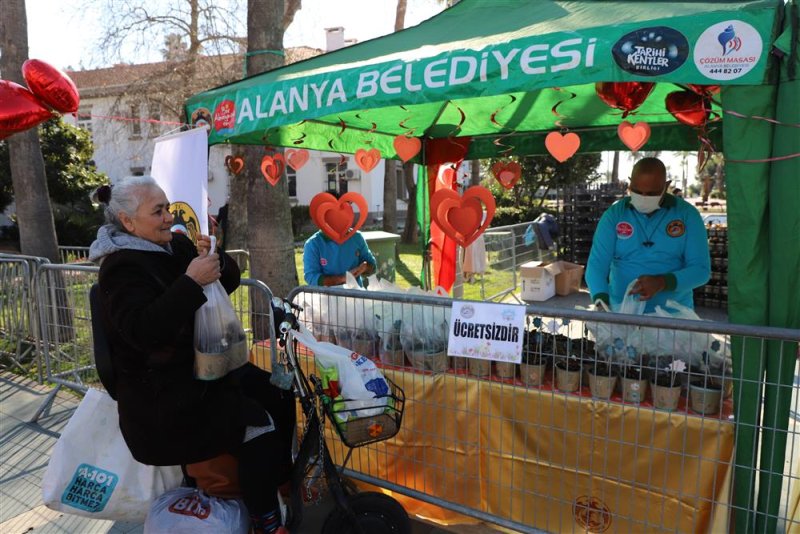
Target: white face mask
645 204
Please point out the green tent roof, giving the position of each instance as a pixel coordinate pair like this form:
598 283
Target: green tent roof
489 68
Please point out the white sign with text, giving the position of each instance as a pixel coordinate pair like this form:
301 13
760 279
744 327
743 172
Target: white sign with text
486 331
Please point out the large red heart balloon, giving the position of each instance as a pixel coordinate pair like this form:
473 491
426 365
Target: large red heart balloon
336 217
507 173
626 96
52 85
705 90
459 217
19 109
688 107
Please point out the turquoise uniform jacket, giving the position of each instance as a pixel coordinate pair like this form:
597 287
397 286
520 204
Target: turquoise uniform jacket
323 256
672 241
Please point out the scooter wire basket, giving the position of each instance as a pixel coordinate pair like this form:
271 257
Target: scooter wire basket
361 422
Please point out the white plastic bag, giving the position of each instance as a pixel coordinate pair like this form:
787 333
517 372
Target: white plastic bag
190 511
359 380
92 473
631 304
220 344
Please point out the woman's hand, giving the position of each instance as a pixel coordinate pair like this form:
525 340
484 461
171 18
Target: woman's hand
362 268
204 269
203 244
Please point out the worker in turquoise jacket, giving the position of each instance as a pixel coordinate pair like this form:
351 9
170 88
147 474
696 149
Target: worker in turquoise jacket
650 236
325 261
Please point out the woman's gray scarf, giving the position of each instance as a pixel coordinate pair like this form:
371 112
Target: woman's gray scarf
110 239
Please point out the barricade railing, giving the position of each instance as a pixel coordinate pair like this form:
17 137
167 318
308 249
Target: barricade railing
561 442
506 248
73 254
20 321
65 318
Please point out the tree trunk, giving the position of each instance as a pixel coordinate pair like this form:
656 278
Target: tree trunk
475 172
236 238
390 196
37 232
410 230
269 225
400 15
615 168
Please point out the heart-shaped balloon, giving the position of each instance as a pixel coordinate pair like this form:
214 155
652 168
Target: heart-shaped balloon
19 109
51 85
406 147
336 217
296 158
235 164
562 147
705 90
459 217
507 173
688 107
367 159
634 136
272 168
626 96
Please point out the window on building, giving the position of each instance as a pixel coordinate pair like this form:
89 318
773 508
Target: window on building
402 192
154 129
85 118
334 176
137 171
291 181
135 124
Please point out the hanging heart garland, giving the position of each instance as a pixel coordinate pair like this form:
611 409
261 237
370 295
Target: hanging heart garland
460 217
562 147
367 159
235 164
406 147
296 158
634 136
272 168
507 173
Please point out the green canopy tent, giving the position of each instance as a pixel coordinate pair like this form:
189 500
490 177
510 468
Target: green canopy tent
508 70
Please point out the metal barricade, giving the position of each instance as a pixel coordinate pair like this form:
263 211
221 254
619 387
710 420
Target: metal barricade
507 247
600 428
72 254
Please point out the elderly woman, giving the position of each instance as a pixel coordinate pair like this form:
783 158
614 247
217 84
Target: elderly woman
151 283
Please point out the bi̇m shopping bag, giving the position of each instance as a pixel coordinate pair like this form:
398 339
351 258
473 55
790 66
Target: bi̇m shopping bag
190 511
93 474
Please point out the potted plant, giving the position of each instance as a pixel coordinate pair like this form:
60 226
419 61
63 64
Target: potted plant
667 385
534 362
391 351
568 374
364 343
634 380
479 367
602 377
705 389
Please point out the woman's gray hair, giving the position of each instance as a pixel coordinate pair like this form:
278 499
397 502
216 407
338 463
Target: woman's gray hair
126 197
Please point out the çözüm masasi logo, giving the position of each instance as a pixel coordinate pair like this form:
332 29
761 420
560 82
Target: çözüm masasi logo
186 221
591 514
728 50
651 51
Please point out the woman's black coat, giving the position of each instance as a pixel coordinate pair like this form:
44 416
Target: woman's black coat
166 416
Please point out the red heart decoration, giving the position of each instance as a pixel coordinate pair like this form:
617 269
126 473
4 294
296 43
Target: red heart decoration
626 96
19 109
367 159
688 107
406 147
705 90
235 164
51 85
507 173
335 217
296 158
459 217
447 176
272 168
562 147
634 136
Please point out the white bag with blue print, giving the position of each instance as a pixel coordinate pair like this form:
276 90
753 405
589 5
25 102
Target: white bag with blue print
92 473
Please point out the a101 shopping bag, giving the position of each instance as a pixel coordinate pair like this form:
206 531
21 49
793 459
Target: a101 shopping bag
92 473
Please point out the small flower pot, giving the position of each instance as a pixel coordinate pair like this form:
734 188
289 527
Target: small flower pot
705 397
568 377
458 363
480 368
665 397
602 384
505 369
429 361
393 357
634 389
532 374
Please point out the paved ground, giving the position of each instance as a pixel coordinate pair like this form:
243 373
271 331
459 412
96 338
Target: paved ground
25 450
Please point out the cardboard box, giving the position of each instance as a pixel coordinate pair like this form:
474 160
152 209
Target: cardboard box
538 280
568 277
